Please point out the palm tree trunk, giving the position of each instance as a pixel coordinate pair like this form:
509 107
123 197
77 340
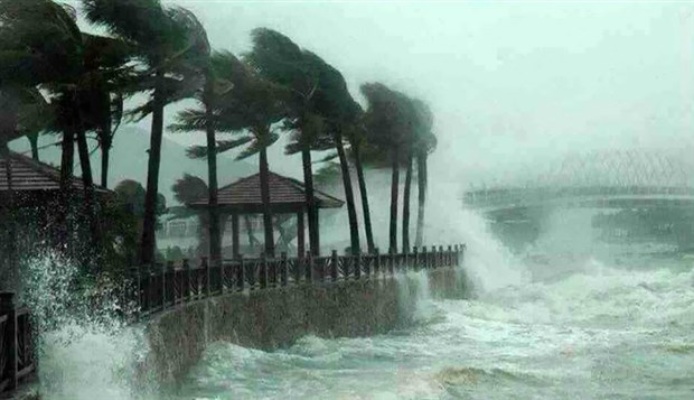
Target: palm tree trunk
312 210
406 204
349 195
34 143
215 236
67 161
89 195
267 210
393 245
148 241
356 151
106 143
422 188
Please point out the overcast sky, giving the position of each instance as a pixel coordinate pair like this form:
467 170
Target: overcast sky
506 80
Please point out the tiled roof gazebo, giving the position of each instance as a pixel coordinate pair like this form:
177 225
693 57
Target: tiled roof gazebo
287 196
33 182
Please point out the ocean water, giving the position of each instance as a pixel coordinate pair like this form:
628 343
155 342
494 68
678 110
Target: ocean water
568 320
596 332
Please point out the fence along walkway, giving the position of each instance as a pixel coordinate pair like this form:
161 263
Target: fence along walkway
167 285
17 358
164 286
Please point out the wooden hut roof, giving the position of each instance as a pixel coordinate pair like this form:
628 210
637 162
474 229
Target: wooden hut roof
286 195
29 175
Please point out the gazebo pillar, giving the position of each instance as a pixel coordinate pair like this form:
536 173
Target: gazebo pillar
300 230
235 235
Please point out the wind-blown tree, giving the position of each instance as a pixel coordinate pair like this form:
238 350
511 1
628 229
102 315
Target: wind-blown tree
35 117
416 142
37 46
425 144
186 190
334 103
356 136
388 119
208 95
278 59
130 194
42 45
172 48
248 107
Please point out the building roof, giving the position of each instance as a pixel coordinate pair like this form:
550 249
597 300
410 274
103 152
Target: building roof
29 175
286 195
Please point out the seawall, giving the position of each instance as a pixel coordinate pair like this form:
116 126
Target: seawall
273 318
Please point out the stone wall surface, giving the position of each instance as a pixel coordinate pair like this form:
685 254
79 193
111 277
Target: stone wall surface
272 318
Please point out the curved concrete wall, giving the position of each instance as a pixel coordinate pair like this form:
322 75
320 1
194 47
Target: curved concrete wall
272 318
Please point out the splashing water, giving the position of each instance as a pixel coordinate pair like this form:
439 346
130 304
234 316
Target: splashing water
574 328
85 349
587 328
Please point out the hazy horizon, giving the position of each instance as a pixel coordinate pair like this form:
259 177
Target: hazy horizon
509 82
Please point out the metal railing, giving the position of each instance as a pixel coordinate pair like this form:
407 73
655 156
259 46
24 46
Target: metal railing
17 344
162 286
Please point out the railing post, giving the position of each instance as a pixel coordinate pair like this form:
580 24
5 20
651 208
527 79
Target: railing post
222 277
165 284
263 271
284 269
441 261
449 256
273 272
297 269
367 265
425 258
205 266
357 265
241 273
7 307
151 287
415 259
188 289
377 261
138 292
309 267
391 261
334 260
146 284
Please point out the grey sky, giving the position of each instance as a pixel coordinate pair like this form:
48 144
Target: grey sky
506 80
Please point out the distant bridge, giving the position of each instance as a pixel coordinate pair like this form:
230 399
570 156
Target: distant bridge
621 179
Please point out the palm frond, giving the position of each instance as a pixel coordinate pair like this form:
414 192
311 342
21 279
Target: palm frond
222 146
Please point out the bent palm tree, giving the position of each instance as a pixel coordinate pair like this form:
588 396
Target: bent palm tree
281 61
173 47
334 103
388 121
248 104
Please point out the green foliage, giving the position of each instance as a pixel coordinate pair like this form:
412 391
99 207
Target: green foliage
131 194
169 39
394 119
189 188
328 175
241 103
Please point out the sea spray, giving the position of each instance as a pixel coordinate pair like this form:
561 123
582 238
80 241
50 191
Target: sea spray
85 349
414 295
488 264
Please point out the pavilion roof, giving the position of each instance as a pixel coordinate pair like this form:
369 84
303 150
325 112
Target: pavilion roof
286 195
29 175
